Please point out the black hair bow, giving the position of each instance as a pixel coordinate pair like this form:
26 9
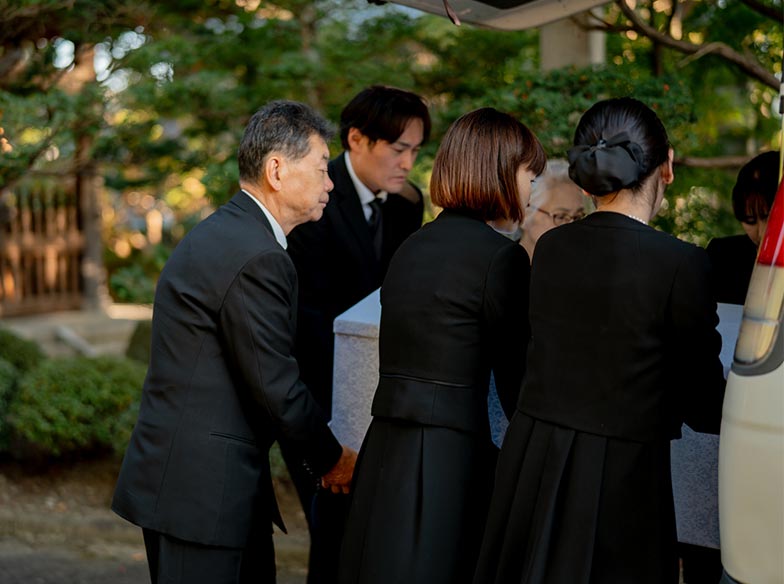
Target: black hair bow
607 166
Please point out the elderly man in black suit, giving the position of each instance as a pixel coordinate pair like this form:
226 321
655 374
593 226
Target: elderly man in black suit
344 256
222 384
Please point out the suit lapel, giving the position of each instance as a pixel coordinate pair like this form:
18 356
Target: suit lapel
243 201
348 207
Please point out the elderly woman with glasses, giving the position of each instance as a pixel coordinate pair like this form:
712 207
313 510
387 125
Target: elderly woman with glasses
555 200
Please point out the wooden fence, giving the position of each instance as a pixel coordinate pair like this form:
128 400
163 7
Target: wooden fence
41 249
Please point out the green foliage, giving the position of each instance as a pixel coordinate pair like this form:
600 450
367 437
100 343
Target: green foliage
75 405
132 284
17 356
177 81
8 382
133 279
698 206
733 112
23 354
551 103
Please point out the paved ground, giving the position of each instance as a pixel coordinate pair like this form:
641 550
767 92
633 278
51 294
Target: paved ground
56 528
22 563
55 564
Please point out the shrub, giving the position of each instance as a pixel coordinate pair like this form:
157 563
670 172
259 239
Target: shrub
8 380
24 355
132 284
76 405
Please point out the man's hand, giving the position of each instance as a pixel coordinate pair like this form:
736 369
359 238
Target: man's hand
338 480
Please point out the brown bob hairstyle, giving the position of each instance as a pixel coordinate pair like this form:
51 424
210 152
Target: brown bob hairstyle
476 166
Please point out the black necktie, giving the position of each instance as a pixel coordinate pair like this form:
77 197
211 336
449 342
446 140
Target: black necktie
375 225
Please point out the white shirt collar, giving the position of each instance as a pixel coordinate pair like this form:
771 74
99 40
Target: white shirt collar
277 230
365 194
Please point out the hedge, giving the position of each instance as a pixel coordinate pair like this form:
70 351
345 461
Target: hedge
77 404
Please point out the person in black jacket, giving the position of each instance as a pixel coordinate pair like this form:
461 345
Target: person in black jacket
454 308
222 384
343 257
623 349
732 261
732 258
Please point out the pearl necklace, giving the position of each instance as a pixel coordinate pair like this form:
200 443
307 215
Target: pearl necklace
643 221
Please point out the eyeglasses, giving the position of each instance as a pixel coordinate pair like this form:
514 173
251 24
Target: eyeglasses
559 218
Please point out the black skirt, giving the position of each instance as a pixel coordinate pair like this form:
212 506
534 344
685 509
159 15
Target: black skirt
419 503
576 508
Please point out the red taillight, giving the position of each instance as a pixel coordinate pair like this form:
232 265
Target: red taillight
771 251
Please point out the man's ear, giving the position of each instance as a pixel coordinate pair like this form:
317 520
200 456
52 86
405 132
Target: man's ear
356 139
667 171
273 171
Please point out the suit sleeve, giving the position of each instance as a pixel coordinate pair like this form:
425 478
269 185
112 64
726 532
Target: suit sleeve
257 311
697 344
506 315
310 248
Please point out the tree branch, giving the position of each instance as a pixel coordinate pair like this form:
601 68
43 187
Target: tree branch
714 162
751 68
764 9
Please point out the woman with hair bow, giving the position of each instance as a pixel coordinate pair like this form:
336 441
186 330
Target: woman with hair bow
624 349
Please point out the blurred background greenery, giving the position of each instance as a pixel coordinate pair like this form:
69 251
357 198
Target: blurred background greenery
153 96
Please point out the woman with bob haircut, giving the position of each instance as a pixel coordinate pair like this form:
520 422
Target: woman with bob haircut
623 350
454 308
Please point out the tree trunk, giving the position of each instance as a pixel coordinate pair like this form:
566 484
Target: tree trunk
88 189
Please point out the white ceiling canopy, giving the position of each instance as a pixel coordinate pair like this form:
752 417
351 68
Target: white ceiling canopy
505 14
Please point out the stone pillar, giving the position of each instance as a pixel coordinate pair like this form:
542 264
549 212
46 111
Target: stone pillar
355 374
566 42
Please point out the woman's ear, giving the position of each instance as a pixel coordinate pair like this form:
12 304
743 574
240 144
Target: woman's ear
667 172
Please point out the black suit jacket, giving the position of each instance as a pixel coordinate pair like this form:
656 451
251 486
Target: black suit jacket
337 267
221 386
732 259
454 307
624 341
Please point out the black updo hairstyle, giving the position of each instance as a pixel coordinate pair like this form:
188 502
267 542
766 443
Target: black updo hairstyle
618 144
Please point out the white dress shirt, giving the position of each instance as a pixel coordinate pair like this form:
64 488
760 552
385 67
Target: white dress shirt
365 194
277 230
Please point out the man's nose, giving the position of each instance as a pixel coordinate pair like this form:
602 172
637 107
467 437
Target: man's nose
407 160
328 184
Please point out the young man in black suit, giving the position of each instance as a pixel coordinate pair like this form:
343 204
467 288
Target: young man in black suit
344 256
222 384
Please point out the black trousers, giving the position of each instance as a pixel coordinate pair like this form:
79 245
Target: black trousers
701 565
174 561
326 513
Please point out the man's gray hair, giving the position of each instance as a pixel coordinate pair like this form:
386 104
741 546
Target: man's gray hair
279 126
